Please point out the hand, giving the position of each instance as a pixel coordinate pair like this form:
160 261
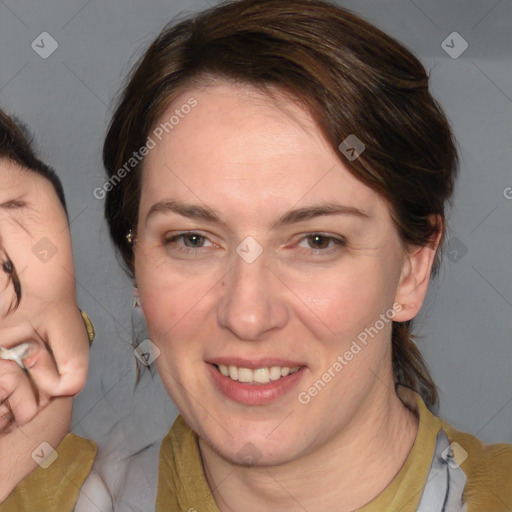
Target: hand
37 295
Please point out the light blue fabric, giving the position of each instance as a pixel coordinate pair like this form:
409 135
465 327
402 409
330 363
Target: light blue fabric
445 481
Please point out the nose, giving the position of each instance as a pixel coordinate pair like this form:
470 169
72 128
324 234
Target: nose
253 303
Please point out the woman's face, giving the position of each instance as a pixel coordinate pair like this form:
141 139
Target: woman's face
257 248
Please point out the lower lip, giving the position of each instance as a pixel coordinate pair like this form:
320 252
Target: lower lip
254 394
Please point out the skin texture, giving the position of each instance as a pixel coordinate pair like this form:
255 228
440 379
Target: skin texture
251 159
47 313
50 425
33 221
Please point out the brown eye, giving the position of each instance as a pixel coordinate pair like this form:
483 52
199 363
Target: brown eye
317 241
320 244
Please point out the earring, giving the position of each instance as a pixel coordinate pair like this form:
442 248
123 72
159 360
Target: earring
407 306
131 238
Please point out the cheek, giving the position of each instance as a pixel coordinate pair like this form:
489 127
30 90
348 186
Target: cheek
172 302
345 300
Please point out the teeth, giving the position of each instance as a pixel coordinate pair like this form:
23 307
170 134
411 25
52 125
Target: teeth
260 375
233 372
244 375
275 373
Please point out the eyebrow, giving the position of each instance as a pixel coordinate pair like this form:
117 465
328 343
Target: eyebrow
291 217
13 204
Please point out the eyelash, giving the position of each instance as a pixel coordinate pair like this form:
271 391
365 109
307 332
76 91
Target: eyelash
8 267
337 243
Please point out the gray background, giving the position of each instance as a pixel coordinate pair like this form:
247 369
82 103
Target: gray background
465 324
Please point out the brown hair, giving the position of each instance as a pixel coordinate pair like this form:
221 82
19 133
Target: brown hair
352 78
16 146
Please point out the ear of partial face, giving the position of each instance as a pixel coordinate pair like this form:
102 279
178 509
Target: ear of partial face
70 345
61 372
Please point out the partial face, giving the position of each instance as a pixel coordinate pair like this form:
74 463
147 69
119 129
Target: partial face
259 254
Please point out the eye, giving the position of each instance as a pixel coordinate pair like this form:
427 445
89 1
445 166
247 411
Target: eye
320 243
187 243
10 276
191 239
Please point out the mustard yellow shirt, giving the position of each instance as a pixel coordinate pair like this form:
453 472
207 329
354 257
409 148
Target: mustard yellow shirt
182 485
55 488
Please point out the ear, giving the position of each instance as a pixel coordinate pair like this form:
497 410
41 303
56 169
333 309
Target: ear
415 276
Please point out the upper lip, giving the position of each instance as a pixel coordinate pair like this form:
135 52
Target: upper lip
253 364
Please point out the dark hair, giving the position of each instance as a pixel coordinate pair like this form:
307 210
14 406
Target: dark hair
15 145
352 78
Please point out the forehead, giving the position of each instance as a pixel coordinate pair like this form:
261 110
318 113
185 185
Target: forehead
16 179
239 144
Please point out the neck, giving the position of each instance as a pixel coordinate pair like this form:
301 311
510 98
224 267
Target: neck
347 472
50 425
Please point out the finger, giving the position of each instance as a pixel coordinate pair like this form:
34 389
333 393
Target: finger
63 371
41 370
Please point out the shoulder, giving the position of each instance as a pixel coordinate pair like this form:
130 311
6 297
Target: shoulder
45 488
488 469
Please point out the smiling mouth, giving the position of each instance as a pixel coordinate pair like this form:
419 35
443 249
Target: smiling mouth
257 376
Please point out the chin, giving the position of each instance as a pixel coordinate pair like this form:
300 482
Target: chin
254 449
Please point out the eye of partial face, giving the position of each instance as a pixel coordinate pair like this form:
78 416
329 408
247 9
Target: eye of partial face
193 239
